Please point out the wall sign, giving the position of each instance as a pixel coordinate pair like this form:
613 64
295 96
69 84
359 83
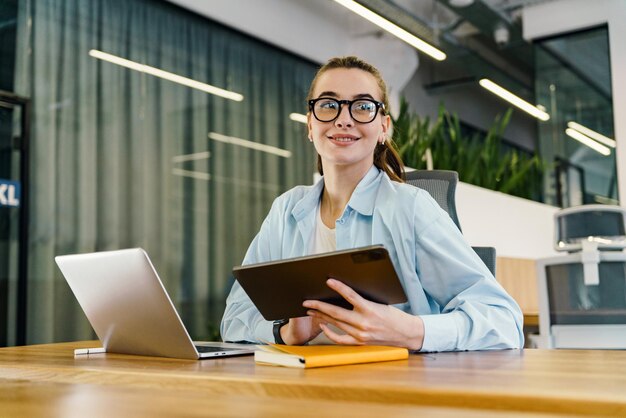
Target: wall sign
9 193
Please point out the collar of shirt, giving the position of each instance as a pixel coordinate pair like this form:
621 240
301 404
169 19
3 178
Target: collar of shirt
362 199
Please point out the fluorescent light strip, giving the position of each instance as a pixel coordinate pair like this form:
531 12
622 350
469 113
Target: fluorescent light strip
191 157
250 144
592 134
166 75
513 99
605 200
600 240
298 117
198 175
394 29
588 141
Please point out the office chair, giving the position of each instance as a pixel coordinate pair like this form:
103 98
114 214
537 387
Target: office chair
582 295
441 184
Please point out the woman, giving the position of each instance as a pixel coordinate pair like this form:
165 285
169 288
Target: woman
454 303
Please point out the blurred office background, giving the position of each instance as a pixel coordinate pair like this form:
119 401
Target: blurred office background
172 126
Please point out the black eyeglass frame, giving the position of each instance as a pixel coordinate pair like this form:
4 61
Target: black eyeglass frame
379 106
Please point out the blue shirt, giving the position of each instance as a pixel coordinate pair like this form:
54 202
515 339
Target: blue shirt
462 305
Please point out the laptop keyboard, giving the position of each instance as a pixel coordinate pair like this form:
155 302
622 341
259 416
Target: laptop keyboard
210 349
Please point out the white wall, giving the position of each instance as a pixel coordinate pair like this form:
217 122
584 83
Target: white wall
564 16
516 227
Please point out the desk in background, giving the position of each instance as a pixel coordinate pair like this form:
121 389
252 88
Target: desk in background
518 276
47 380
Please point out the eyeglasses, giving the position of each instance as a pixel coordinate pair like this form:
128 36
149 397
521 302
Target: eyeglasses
326 109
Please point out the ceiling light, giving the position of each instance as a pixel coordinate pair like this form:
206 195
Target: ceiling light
198 175
514 100
298 117
605 200
249 144
393 29
191 157
588 141
592 134
207 88
460 3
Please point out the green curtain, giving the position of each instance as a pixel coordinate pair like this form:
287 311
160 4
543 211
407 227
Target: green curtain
124 159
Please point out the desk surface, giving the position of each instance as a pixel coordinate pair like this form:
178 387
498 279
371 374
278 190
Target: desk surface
36 380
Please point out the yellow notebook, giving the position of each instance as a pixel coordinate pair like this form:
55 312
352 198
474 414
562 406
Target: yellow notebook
325 355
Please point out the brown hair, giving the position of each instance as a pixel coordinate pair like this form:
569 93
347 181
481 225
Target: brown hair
386 155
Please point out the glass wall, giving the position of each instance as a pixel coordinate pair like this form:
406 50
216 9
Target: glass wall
10 211
133 146
573 81
10 115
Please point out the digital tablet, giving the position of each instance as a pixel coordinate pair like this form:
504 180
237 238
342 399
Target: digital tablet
278 288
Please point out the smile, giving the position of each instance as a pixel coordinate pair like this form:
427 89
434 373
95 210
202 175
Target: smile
344 138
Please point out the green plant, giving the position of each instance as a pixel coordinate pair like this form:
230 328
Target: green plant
479 159
412 136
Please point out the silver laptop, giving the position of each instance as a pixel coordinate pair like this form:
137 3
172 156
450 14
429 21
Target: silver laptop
128 307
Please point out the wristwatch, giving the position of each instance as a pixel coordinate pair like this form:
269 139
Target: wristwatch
277 326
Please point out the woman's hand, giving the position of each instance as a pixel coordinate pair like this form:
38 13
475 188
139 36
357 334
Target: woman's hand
368 323
301 330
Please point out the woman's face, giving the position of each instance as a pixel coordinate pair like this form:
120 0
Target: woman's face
344 142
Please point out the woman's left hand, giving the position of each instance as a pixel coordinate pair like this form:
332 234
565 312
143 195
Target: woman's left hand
368 322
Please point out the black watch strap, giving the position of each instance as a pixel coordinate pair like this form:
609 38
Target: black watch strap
277 326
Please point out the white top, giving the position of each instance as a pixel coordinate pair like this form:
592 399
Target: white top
323 241
324 237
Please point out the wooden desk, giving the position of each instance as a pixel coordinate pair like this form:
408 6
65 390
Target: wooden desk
47 380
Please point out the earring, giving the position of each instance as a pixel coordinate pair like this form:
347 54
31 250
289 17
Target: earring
310 139
384 139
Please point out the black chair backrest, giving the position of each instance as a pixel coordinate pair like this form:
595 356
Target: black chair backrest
488 255
441 184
